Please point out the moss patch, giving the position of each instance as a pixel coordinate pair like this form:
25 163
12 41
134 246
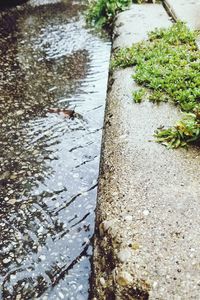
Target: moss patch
168 64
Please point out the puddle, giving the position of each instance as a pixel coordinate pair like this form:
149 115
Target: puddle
49 62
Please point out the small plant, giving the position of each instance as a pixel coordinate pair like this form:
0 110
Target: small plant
185 131
138 95
168 64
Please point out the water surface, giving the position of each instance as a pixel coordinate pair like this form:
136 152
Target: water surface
49 162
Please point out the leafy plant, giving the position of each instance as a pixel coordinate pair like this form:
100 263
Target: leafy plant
157 97
101 13
186 131
168 64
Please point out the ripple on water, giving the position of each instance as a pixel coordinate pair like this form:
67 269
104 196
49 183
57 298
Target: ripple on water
49 163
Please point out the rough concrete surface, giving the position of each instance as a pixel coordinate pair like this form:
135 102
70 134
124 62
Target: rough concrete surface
147 239
185 10
133 25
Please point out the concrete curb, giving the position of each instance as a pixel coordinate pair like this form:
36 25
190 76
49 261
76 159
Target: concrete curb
186 11
147 226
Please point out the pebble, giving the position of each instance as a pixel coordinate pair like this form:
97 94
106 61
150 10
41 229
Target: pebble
146 212
124 254
155 284
19 112
124 278
104 226
102 281
6 260
12 201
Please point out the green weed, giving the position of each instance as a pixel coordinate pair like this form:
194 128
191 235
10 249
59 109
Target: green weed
101 13
186 131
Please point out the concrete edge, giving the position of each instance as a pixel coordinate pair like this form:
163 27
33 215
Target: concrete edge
169 10
109 277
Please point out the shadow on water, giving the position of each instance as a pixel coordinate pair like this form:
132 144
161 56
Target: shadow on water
49 62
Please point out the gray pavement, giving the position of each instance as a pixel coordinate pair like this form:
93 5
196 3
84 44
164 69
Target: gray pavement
185 10
133 25
148 239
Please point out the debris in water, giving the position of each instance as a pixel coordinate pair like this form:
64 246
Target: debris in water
70 113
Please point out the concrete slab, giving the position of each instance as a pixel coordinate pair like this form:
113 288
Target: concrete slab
187 11
147 239
148 205
133 25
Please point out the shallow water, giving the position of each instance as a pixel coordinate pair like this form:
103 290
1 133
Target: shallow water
49 162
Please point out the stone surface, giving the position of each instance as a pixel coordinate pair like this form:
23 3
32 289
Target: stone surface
158 188
133 25
187 11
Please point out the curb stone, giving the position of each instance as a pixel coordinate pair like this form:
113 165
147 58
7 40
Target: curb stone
147 227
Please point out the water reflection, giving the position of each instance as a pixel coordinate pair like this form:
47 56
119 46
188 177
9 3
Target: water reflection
49 162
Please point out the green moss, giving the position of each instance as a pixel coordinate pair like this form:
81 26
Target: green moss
168 64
